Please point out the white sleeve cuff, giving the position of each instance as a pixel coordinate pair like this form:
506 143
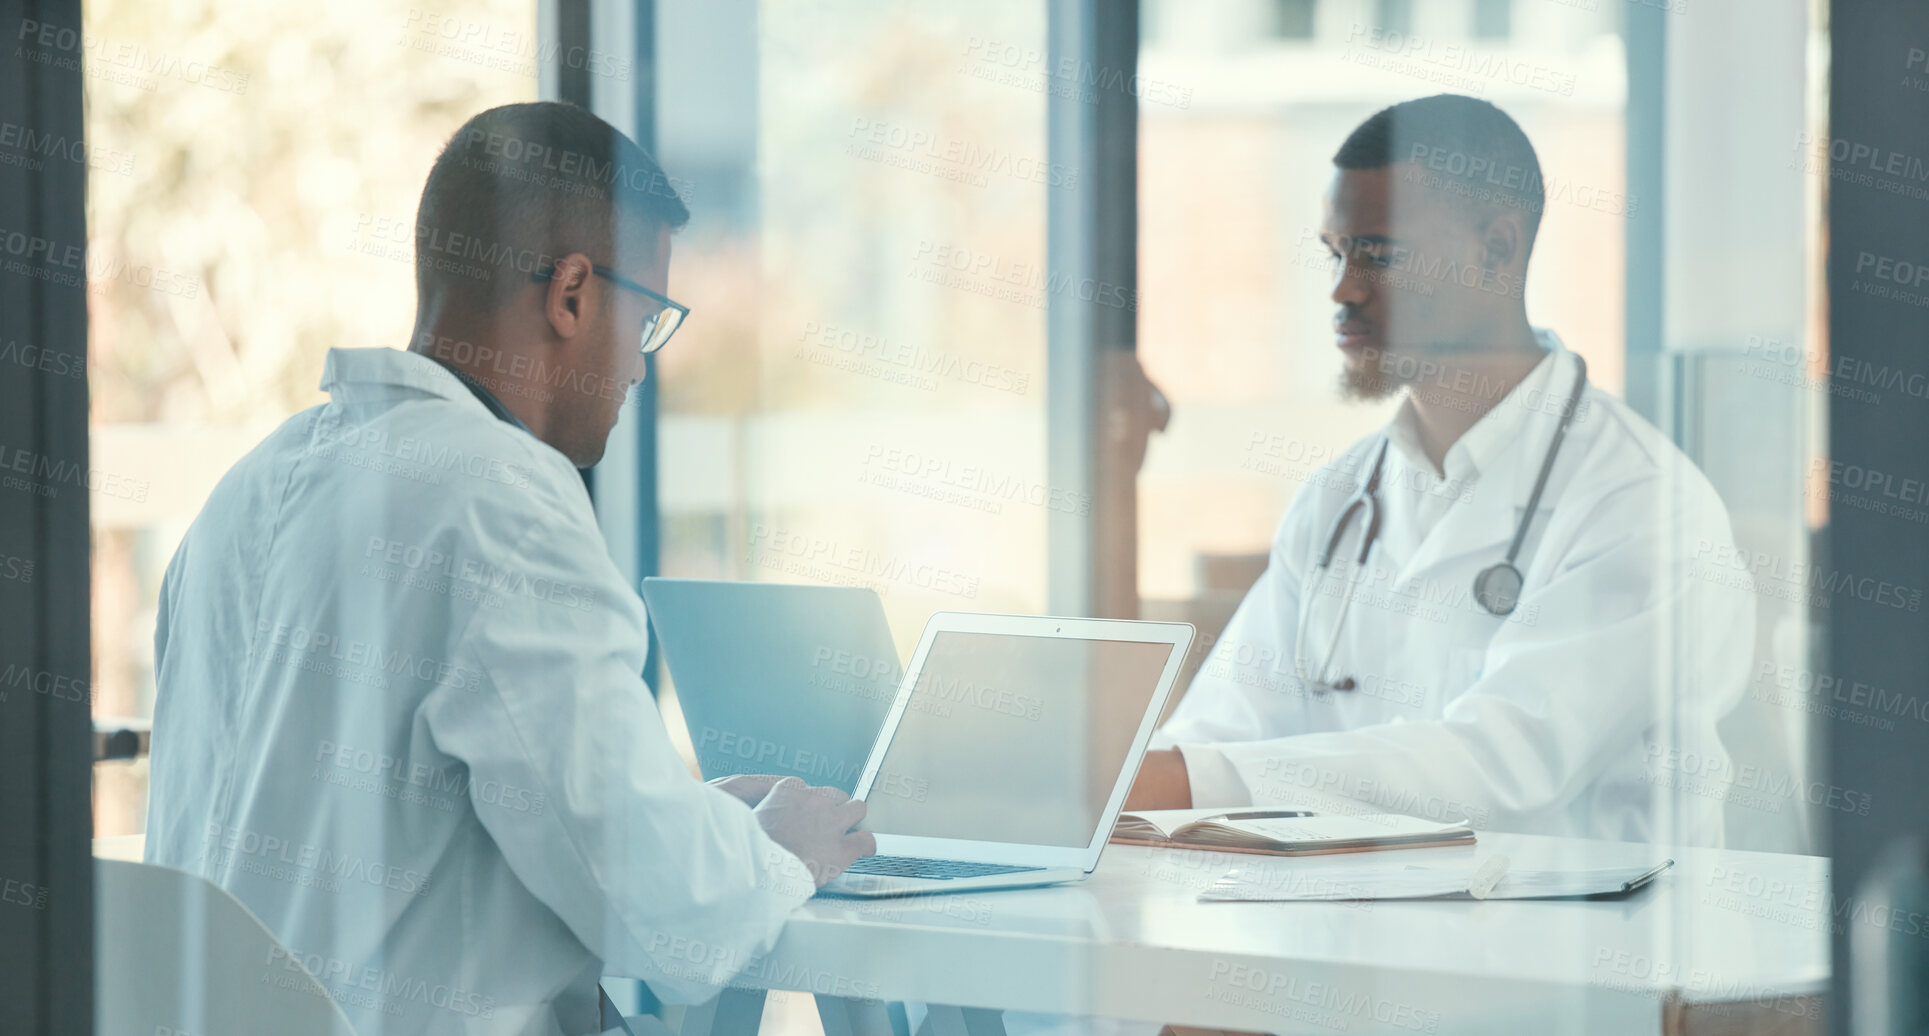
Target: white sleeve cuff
786 877
1215 783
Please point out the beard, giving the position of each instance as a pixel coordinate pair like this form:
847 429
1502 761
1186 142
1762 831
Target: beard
1364 378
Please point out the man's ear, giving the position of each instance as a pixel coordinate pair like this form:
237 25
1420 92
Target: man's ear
1501 240
570 293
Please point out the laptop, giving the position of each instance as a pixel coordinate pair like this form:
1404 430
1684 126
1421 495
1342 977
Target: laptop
773 678
1009 750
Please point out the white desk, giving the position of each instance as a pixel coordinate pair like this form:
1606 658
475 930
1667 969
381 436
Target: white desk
1133 942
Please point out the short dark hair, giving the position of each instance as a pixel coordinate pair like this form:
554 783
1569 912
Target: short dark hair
520 185
1464 145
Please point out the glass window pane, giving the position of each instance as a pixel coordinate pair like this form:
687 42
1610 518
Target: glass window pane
1393 15
252 205
858 395
1293 19
1493 19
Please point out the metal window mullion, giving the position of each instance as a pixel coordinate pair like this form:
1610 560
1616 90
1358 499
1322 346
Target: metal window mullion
1646 125
1091 238
46 742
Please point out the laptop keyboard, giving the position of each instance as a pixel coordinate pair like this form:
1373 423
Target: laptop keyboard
936 870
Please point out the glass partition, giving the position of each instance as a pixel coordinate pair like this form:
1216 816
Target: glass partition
859 398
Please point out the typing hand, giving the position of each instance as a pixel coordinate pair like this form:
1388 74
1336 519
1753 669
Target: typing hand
750 787
815 824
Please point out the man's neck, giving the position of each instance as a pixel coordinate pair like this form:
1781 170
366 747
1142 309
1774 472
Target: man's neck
1447 404
487 361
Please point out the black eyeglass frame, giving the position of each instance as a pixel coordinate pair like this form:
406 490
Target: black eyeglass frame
545 275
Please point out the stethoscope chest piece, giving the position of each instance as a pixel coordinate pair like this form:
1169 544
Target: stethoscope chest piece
1497 588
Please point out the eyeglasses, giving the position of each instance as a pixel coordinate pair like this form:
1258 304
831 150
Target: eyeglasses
657 327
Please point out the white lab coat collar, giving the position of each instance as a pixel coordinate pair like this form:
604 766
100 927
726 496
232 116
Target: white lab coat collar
1496 460
355 375
370 375
1481 445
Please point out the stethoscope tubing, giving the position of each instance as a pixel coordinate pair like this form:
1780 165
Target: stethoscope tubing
1366 499
1547 462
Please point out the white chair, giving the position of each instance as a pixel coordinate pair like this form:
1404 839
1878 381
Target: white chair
175 953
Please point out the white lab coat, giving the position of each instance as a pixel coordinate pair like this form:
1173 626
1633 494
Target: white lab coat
1590 711
401 717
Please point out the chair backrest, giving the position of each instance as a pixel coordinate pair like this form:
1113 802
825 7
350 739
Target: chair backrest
175 953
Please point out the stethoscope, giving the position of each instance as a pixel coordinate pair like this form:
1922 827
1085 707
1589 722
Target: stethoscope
1497 587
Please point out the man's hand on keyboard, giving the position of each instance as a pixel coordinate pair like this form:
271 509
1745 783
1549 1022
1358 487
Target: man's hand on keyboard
815 824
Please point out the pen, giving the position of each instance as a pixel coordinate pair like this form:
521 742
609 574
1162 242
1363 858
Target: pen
1265 814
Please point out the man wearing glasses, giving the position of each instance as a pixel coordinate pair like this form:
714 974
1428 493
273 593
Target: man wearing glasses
559 356
399 711
536 377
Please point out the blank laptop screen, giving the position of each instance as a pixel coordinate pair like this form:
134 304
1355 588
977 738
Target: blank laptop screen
1014 738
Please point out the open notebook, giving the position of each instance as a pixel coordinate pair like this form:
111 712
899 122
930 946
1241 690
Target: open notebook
1257 831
